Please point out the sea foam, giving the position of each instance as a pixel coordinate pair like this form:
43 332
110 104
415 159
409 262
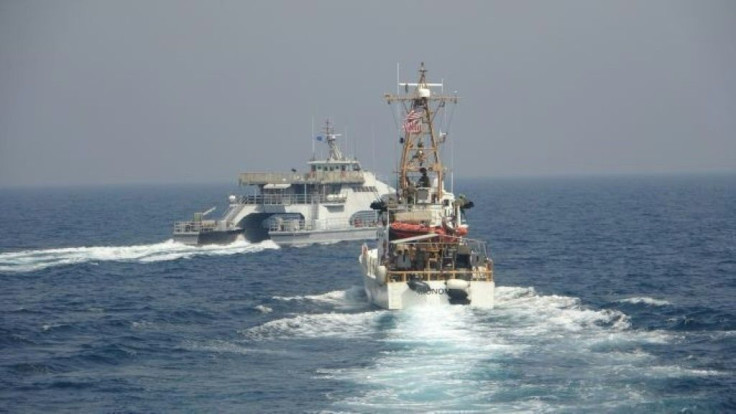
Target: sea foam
645 300
33 260
458 357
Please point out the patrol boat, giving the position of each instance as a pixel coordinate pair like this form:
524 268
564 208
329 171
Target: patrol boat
422 256
327 203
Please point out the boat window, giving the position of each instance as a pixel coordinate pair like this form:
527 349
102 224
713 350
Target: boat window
365 218
365 189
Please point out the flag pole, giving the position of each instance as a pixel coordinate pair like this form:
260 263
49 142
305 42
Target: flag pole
398 112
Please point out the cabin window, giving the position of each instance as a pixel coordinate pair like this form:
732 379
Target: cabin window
368 189
365 218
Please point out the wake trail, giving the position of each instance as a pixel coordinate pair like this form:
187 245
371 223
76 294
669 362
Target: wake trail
457 358
33 260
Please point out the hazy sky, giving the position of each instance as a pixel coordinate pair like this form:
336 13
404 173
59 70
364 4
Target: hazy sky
95 92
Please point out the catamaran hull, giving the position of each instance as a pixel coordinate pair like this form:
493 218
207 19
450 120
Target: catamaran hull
285 238
281 238
401 295
211 237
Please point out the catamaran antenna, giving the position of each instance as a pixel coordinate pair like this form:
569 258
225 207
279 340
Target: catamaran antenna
204 213
398 80
373 136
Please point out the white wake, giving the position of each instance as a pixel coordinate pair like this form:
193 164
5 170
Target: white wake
645 300
33 260
519 357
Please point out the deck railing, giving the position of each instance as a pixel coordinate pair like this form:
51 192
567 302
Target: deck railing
297 225
484 271
439 259
195 226
314 177
290 199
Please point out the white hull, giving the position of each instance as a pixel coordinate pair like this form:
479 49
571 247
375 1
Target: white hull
398 295
285 238
329 202
320 220
422 255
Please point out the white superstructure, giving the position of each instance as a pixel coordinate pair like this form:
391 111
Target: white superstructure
422 256
327 203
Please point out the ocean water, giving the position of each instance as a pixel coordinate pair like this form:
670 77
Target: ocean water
613 295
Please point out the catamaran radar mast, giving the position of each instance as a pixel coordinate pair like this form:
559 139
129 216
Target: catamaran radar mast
331 137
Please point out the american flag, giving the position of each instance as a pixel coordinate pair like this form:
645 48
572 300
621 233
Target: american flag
413 122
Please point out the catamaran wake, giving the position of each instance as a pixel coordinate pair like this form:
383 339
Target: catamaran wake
33 260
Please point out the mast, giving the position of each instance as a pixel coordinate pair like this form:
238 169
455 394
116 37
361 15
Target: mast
421 145
331 137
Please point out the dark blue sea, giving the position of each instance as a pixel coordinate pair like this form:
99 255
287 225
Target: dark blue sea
614 294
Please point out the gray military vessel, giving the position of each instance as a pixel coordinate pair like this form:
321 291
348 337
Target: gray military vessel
328 203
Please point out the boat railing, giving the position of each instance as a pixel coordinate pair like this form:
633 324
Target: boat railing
446 242
291 199
203 226
484 273
439 258
301 225
311 177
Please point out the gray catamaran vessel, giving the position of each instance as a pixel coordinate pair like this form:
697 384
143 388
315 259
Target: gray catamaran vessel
328 203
